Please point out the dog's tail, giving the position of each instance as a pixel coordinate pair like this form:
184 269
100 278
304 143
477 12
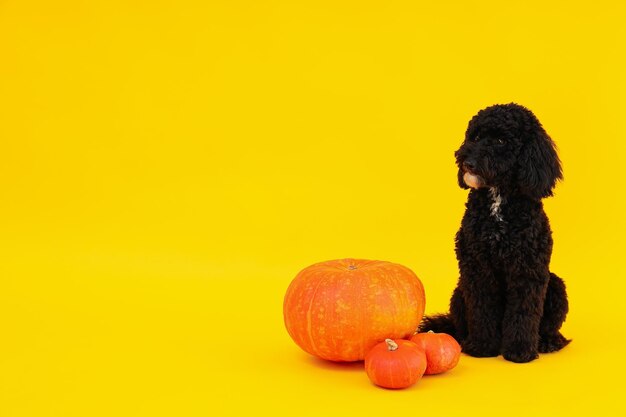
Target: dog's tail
439 323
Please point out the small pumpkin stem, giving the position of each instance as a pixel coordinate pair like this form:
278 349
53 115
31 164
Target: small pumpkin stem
391 345
430 331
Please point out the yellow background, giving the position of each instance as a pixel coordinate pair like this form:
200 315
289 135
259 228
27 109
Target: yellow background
166 168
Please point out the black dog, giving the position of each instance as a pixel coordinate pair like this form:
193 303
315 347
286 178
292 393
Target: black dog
506 301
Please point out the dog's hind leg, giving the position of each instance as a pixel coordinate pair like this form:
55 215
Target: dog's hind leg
554 312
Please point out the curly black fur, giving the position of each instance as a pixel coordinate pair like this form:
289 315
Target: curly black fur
506 301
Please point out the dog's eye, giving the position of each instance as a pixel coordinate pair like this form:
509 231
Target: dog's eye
500 141
477 138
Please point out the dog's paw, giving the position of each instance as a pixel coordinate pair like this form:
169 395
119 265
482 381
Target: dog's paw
552 343
519 354
480 349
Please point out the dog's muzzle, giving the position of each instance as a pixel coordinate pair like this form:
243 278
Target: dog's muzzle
473 180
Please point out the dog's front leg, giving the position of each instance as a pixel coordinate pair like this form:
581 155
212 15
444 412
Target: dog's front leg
525 296
484 302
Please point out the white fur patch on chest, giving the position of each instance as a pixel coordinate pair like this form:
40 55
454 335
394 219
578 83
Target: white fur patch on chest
495 205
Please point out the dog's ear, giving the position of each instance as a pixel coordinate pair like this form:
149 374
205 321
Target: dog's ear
539 167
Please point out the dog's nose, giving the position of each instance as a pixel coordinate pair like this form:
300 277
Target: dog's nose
469 164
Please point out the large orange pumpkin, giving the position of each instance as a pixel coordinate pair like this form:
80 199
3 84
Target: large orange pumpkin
338 310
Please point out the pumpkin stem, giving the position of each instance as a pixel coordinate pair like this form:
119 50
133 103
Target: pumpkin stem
430 331
391 345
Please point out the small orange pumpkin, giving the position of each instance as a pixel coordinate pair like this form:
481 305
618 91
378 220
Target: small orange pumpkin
442 351
395 364
338 310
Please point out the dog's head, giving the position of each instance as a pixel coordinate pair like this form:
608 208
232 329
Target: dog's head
506 147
